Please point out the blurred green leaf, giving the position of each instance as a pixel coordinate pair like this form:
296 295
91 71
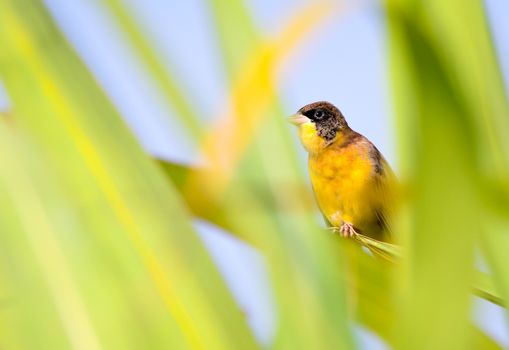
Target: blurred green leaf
163 74
108 239
237 34
440 135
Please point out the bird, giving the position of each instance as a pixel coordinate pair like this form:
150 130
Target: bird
354 186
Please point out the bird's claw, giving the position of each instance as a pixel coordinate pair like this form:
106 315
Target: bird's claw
345 230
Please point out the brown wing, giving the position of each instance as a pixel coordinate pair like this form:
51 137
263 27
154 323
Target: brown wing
386 187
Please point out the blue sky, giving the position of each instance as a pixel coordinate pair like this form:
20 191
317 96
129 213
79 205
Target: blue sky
345 64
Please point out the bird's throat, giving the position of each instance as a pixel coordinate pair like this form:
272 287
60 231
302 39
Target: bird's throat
315 141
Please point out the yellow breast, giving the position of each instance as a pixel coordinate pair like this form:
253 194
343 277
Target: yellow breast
343 181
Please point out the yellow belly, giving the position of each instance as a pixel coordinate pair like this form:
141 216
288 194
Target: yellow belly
343 181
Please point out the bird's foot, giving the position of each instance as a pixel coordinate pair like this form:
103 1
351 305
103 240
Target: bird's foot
347 230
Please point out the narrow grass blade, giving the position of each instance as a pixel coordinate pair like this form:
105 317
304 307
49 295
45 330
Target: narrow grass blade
160 71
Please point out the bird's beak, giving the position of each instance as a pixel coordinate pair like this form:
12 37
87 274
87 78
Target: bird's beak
298 119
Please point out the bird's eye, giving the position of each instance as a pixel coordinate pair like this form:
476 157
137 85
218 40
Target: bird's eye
318 114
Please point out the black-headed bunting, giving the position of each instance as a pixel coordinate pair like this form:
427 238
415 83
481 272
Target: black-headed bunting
353 183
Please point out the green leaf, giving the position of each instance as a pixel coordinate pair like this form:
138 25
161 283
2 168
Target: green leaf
162 72
102 236
439 133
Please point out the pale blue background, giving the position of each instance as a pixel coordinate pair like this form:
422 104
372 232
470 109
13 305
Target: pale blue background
345 64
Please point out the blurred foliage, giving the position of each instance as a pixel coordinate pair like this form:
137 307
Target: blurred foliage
106 240
450 104
97 249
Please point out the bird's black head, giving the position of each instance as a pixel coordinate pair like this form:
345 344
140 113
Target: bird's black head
327 118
